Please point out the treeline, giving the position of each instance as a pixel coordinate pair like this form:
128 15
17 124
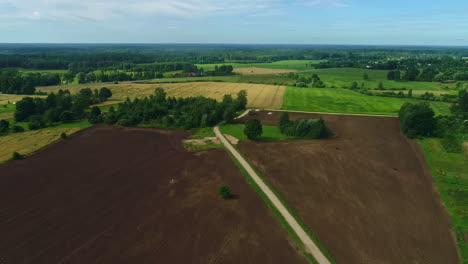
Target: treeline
311 128
171 112
61 107
14 82
418 120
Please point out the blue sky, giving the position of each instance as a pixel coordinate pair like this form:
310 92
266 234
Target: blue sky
409 22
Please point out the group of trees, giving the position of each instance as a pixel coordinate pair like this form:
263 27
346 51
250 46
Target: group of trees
418 120
15 82
312 128
60 107
303 81
187 113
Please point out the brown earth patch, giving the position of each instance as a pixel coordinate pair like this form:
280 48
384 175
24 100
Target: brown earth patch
257 71
133 195
7 116
367 194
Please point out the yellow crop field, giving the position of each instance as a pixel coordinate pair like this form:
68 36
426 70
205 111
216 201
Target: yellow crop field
10 98
26 143
259 95
256 71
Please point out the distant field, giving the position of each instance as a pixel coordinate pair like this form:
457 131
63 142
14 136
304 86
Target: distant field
344 77
10 98
417 92
28 142
345 101
259 95
299 65
257 71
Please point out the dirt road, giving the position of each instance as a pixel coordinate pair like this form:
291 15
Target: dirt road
309 245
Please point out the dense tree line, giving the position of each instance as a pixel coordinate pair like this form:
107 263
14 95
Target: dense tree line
311 128
60 107
187 113
14 82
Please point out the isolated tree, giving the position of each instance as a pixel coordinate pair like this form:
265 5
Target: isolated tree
16 156
104 94
253 129
381 86
225 192
4 126
354 85
410 93
63 135
241 100
365 76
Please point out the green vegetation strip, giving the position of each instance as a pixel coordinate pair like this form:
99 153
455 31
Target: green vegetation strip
335 100
270 133
450 172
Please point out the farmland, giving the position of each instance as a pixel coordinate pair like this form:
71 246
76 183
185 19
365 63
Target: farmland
260 96
10 98
336 100
161 207
258 71
343 77
299 65
367 193
28 142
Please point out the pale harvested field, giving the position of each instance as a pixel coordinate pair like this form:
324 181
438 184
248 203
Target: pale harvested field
465 147
6 116
10 98
257 71
259 95
28 142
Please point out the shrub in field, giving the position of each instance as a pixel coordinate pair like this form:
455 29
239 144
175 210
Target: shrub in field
225 192
17 129
16 156
253 129
417 120
451 143
312 128
63 135
4 125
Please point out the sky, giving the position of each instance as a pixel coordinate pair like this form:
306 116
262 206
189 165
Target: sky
396 22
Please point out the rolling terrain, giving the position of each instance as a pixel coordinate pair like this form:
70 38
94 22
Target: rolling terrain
133 195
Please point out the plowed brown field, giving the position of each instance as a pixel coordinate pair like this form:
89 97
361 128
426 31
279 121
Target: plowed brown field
132 195
367 193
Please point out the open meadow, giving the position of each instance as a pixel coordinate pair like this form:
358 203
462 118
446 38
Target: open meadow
259 96
367 193
335 100
95 198
344 77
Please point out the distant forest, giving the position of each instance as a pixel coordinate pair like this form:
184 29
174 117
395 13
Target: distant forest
89 63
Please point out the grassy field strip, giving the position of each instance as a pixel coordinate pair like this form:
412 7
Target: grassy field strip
336 100
31 141
309 245
325 113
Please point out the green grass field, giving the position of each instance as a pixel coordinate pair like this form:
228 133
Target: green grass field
450 171
299 65
344 77
270 133
347 101
7 108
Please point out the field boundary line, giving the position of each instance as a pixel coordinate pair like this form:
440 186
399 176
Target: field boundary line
328 113
309 245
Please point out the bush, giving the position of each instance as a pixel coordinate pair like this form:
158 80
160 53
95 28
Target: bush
312 128
16 156
63 135
17 129
4 125
253 129
451 143
417 120
225 192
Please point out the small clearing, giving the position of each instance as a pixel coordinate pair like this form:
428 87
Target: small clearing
232 140
258 71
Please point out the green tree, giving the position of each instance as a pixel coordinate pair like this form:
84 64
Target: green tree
253 129
225 192
4 126
354 85
381 86
410 93
284 123
365 76
417 120
241 100
16 156
104 93
229 114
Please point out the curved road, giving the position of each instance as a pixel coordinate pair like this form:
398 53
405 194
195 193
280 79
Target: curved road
309 245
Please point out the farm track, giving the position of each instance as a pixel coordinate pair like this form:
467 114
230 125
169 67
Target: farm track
309 245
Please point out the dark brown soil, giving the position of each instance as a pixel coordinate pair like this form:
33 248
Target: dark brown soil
131 195
367 193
